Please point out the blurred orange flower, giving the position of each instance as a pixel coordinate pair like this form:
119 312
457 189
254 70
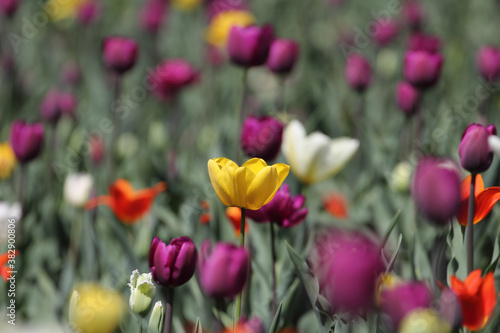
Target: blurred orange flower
127 204
477 298
233 214
4 269
485 200
336 204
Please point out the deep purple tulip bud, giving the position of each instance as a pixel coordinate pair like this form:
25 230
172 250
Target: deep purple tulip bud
407 98
386 32
71 74
413 14
9 7
347 266
249 46
358 72
283 209
224 272
475 153
261 137
488 63
152 15
55 104
422 42
172 265
88 12
119 53
436 189
422 69
400 300
171 76
282 56
26 140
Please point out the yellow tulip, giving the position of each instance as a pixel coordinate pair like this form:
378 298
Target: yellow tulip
423 321
60 10
250 186
7 160
94 309
186 4
221 24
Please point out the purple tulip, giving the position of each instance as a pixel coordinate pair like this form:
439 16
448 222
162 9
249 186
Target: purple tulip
152 15
400 300
26 140
71 74
386 32
413 14
172 265
422 69
422 42
224 272
261 137
358 72
407 98
170 77
55 104
249 46
488 62
475 153
119 53
9 7
282 56
347 266
283 209
436 188
88 12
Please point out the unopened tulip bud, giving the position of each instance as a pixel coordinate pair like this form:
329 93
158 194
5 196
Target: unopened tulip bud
413 14
71 74
96 149
9 7
88 12
26 140
488 63
142 292
262 137
156 319
422 69
77 188
152 15
422 42
386 32
282 56
475 153
57 103
358 72
249 46
171 76
407 98
119 53
401 176
424 321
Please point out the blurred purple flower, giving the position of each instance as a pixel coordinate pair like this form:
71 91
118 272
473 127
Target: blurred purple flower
88 12
26 140
9 7
174 264
262 137
475 153
413 14
488 63
385 32
71 74
152 15
223 272
407 98
422 69
249 46
422 42
119 53
170 77
283 55
285 210
57 103
358 72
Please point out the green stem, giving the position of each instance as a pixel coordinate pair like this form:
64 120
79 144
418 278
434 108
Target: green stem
240 112
139 326
470 225
169 298
242 243
273 270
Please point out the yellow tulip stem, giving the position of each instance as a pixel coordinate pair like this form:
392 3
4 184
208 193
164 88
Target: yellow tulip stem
237 311
470 225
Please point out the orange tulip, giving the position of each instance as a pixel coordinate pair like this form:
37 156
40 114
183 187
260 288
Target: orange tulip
233 214
5 269
477 298
485 200
127 204
336 205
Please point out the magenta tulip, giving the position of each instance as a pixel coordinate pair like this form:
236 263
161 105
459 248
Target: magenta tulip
26 140
285 210
358 72
152 15
475 153
386 32
55 104
174 264
488 63
9 7
422 69
71 74
261 137
407 98
170 77
223 272
282 56
422 42
413 14
88 12
119 53
249 46
436 189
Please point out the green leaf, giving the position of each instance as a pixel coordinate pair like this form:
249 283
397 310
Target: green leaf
276 319
197 328
494 257
394 255
391 227
311 284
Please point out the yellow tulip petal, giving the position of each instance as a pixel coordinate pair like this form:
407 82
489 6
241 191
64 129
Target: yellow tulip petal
242 178
283 170
262 188
255 165
222 182
225 162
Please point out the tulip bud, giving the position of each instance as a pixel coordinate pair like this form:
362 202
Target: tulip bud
224 272
9 7
71 74
358 72
55 104
173 264
156 319
400 178
96 149
152 15
282 56
171 76
77 187
7 160
488 62
262 137
422 69
386 32
119 53
436 189
424 321
407 98
347 266
422 42
475 153
400 300
413 14
26 140
8 211
88 12
142 291
249 46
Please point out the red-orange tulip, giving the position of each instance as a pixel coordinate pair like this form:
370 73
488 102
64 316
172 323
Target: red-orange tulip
477 298
485 200
127 204
233 214
4 268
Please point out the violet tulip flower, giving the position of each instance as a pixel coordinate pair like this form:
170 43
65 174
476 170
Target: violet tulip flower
249 46
170 77
119 53
407 98
358 72
57 103
475 153
262 137
488 63
421 68
283 55
26 140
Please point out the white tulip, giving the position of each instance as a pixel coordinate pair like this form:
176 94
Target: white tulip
494 143
8 212
77 187
315 157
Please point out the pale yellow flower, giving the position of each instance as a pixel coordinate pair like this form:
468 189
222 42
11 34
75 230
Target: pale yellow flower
186 4
62 9
7 160
218 30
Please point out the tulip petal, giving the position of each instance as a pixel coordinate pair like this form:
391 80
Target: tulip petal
485 200
332 158
488 294
242 179
225 162
221 182
465 186
262 188
294 137
255 165
315 146
283 171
